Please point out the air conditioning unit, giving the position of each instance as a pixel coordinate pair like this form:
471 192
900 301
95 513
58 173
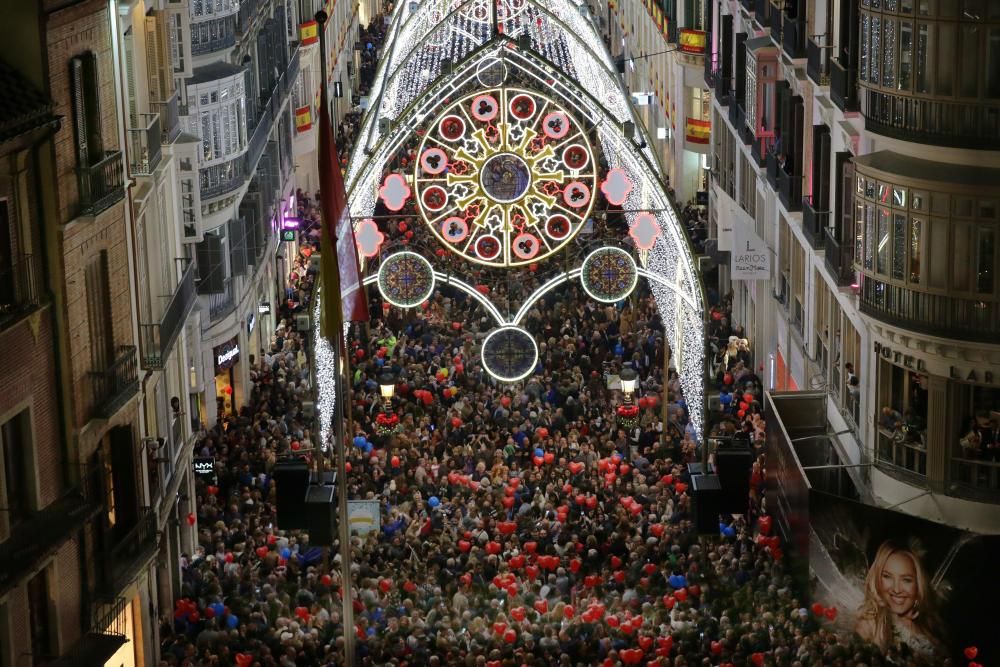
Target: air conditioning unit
308 409
302 322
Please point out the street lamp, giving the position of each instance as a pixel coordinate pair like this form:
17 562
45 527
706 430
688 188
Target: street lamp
628 377
628 413
386 422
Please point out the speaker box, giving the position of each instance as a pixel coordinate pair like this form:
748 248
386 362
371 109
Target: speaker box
695 469
733 465
291 480
707 503
321 515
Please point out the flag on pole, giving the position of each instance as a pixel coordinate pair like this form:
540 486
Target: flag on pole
341 272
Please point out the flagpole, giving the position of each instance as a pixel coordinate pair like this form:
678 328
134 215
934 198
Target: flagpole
336 336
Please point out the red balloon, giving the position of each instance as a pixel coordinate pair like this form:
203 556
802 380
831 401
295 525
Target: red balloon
229 557
741 414
727 378
385 585
518 614
505 401
194 617
394 461
542 606
455 422
530 547
569 611
326 580
493 548
464 545
830 613
549 457
191 519
510 636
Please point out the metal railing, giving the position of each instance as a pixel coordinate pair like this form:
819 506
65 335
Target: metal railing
737 116
221 303
790 190
958 124
771 161
225 36
114 386
102 184
774 17
762 147
838 258
896 452
129 549
935 314
157 338
760 12
19 287
813 223
723 89
144 151
170 118
976 479
109 618
843 86
818 61
793 36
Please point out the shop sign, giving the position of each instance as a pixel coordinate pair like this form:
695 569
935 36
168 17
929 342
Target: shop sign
204 466
749 259
900 358
226 355
287 234
251 321
264 308
972 375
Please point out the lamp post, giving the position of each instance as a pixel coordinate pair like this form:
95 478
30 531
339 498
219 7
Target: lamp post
628 412
387 421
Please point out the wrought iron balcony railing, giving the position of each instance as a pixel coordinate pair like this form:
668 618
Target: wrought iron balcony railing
813 223
102 184
19 288
843 86
818 61
159 337
144 144
114 386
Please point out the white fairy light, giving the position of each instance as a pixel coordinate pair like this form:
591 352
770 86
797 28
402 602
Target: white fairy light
325 361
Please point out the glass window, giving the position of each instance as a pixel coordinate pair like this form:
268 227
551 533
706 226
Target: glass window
993 59
859 230
876 42
939 261
984 261
939 203
869 237
898 245
924 7
883 192
962 252
905 55
946 49
987 209
899 197
870 189
923 42
882 265
861 185
863 70
969 70
918 200
916 227
963 207
889 51
906 6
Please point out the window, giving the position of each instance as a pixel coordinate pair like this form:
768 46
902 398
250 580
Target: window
99 312
40 619
86 109
15 443
984 261
993 61
916 228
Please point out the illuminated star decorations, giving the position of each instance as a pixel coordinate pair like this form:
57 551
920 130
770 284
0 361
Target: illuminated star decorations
644 230
509 354
394 192
405 279
609 274
504 177
368 237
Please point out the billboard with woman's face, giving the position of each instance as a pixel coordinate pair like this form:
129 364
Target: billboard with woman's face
921 591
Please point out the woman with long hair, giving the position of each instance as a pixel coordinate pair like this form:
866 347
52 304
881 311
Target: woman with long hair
900 606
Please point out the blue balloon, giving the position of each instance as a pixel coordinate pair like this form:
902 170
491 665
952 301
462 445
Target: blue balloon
539 451
218 608
359 441
726 399
729 531
285 553
677 581
369 443
433 501
369 45
619 350
379 361
371 631
232 621
367 449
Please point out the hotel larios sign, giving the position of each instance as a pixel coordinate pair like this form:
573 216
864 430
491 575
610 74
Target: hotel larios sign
919 365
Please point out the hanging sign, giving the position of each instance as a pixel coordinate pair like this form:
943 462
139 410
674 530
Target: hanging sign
750 258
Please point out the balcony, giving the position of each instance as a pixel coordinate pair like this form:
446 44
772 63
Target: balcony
213 35
839 258
114 386
42 534
169 117
790 190
158 338
813 224
106 634
930 121
19 287
101 185
129 553
902 456
975 479
772 169
737 117
144 150
774 18
761 148
933 314
793 36
760 12
844 86
221 303
723 89
818 61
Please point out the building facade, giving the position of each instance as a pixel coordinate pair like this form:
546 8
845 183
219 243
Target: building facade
859 142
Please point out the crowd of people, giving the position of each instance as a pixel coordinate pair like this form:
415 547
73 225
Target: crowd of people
519 524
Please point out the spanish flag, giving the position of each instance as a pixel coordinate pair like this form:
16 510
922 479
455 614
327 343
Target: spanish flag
698 131
692 41
309 33
303 119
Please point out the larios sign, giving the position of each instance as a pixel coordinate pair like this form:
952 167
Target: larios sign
749 259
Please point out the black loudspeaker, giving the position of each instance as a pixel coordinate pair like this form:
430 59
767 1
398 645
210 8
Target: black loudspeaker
695 469
707 503
733 465
291 479
321 515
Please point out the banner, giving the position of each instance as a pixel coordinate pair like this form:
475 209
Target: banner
303 119
363 516
309 33
698 131
917 589
750 258
692 41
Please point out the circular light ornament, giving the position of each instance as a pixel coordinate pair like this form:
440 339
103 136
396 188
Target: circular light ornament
509 354
609 274
521 176
433 161
405 279
491 72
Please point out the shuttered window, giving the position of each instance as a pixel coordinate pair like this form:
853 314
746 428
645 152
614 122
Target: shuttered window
86 109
